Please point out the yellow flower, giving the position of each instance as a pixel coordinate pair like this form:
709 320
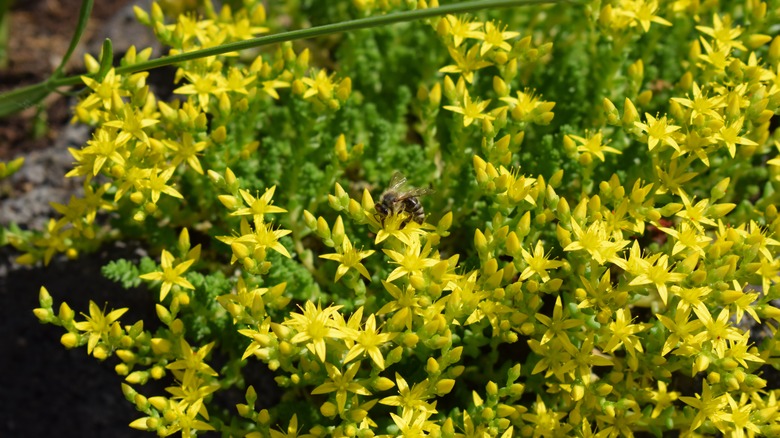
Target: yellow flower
495 36
719 59
104 146
98 325
186 151
411 399
465 63
105 92
681 329
315 325
201 86
263 238
696 214
413 259
658 275
717 331
320 85
258 207
170 275
405 304
595 145
292 431
349 258
729 135
662 399
156 183
596 242
368 341
622 332
236 82
722 32
643 11
470 110
557 325
701 104
341 384
709 407
687 237
270 87
193 360
132 125
538 263
546 423
658 131
462 29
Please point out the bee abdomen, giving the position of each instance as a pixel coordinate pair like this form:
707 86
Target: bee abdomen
415 209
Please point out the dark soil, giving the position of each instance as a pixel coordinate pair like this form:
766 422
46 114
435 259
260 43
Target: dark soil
46 389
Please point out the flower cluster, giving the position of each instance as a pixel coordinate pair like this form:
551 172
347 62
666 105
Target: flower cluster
598 255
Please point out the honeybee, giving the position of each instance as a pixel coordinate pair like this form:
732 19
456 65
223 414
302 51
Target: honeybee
397 199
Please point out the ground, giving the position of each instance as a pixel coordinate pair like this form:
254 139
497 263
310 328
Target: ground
48 390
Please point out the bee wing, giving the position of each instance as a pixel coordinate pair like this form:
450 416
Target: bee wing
413 193
396 181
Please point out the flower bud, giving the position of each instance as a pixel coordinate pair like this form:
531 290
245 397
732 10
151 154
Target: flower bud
160 346
444 386
341 148
610 111
69 340
630 114
773 54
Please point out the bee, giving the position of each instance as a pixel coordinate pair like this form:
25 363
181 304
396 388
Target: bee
397 199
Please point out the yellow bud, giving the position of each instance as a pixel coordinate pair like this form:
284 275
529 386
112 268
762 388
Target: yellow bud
422 93
338 231
410 340
435 96
644 98
341 148
285 348
138 378
322 228
344 89
606 16
491 388
754 382
450 89
309 219
610 111
701 363
298 87
328 409
157 372
603 389
160 346
630 114
263 417
66 314
69 340
757 40
720 210
432 366
773 54
500 87
636 71
480 241
444 386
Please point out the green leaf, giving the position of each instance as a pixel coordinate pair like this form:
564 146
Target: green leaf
106 60
81 26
